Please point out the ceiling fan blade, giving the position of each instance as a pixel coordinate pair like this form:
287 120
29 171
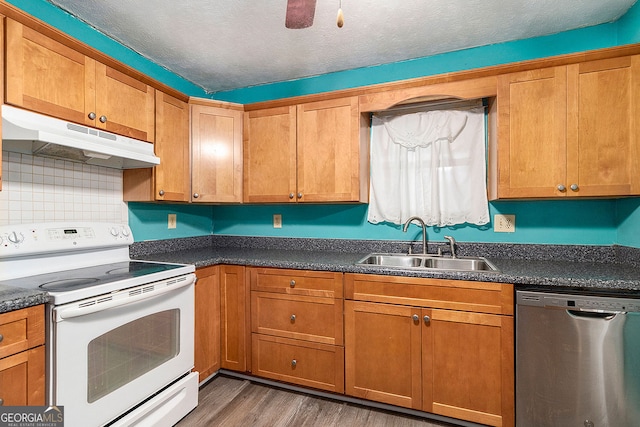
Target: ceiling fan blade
300 13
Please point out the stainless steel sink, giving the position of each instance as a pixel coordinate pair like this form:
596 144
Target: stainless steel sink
426 262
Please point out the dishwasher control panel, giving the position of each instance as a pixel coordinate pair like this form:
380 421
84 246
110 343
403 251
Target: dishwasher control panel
576 302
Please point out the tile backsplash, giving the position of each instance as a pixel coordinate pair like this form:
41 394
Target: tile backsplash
38 189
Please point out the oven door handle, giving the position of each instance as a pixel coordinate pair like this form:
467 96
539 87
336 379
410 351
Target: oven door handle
121 298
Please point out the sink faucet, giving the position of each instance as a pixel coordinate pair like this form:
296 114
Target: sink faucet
424 232
452 244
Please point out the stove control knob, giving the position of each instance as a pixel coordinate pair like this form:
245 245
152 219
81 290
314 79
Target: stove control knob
125 232
113 231
15 237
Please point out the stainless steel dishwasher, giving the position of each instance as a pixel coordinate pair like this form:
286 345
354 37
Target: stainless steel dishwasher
577 360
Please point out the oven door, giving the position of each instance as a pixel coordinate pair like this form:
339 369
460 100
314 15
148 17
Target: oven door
112 352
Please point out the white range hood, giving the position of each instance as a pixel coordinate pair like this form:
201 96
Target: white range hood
32 133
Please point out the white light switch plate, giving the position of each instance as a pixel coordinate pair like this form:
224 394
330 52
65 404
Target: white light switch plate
277 221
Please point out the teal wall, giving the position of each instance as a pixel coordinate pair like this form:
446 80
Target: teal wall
149 221
566 221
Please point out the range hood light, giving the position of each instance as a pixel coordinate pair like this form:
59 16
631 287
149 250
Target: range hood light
95 155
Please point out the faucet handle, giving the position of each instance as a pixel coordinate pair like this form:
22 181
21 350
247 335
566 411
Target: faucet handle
452 244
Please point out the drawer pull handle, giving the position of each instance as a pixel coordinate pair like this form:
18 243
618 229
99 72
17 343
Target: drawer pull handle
292 283
1 337
427 319
415 317
293 318
294 362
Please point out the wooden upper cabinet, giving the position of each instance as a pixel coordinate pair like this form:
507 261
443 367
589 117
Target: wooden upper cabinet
270 155
171 179
569 131
313 152
532 115
48 77
172 175
603 128
216 154
329 161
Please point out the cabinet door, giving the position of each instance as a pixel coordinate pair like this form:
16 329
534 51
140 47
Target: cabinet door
603 131
22 378
124 105
172 175
329 151
532 111
216 154
235 319
207 322
468 366
270 155
383 353
48 77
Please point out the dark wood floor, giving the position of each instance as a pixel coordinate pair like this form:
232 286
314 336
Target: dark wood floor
235 402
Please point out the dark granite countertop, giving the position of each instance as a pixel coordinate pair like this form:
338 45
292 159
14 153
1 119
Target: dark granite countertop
12 298
612 268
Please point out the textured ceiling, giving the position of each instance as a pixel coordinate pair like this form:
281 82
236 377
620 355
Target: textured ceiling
223 45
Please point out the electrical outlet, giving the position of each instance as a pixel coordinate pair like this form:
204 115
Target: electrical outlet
277 221
172 221
504 223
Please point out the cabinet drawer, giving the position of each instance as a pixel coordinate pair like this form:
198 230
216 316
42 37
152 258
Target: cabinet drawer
21 330
306 318
309 364
482 297
297 282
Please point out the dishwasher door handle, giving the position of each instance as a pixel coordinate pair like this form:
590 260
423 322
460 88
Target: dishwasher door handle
594 314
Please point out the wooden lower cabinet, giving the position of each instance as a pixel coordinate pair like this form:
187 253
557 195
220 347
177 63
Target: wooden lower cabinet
22 357
467 366
22 378
207 322
382 352
440 359
305 363
235 345
298 327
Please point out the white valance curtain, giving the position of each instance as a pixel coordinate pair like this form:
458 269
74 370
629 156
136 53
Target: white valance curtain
429 164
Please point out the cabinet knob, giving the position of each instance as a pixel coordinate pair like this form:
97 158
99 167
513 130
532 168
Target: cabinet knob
92 115
561 187
293 318
299 195
103 119
1 402
574 187
415 317
426 319
161 192
292 283
1 337
291 195
294 362
196 195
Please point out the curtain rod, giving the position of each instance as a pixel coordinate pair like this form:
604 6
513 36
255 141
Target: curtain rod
444 104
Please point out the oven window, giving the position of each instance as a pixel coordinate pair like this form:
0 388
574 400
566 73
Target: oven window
129 351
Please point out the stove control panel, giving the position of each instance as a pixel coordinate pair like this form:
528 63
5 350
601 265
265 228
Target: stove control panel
31 239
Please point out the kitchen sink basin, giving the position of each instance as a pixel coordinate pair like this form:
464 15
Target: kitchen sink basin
428 262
